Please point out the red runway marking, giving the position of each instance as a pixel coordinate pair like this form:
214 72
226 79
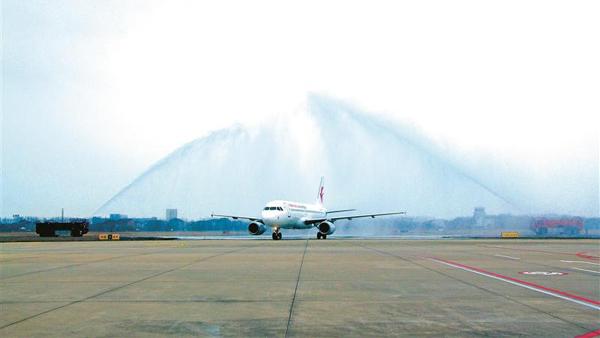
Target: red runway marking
533 285
584 255
590 334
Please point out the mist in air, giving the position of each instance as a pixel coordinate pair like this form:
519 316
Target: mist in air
369 163
95 94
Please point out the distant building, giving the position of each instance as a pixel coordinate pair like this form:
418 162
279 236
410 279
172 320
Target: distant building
116 217
479 212
171 214
481 219
479 216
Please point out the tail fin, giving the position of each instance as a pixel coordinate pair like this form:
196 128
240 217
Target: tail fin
321 192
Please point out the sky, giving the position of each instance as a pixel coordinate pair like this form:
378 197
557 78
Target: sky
95 92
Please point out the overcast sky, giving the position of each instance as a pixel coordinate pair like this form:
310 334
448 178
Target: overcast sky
94 92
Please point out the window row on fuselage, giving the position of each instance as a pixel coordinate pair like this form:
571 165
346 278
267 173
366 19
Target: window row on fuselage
293 209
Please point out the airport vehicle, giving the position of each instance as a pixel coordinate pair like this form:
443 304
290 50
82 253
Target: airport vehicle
77 227
295 215
571 226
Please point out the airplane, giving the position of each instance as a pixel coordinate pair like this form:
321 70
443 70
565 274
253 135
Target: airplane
294 215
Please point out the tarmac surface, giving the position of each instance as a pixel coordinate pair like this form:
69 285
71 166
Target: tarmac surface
326 288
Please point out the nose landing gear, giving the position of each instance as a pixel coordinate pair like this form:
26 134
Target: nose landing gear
276 235
320 235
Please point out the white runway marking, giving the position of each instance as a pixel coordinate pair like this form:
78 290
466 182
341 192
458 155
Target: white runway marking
587 270
579 262
509 257
521 284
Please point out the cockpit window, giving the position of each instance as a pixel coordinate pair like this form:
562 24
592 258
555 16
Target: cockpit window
273 208
280 208
266 208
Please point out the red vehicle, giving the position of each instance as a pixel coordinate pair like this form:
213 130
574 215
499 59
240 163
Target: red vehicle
570 226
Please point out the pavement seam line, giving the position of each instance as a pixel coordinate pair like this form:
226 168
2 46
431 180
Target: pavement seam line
17 259
119 287
475 286
80 264
287 328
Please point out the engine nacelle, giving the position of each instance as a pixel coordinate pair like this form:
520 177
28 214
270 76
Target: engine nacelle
326 228
256 228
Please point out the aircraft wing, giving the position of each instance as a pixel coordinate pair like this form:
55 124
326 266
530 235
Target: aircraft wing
341 210
239 217
350 217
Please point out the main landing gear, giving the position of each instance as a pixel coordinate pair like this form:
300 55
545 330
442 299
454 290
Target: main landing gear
320 235
276 235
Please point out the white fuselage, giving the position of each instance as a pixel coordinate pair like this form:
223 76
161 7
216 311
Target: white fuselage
291 215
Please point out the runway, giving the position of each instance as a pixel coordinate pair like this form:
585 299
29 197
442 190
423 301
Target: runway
332 288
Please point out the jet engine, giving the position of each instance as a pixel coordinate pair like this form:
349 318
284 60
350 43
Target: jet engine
326 228
256 228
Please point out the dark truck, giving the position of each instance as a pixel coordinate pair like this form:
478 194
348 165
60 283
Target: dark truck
569 226
77 227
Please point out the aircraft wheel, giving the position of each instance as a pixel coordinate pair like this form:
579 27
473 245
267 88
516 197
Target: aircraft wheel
318 235
274 236
279 235
324 236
